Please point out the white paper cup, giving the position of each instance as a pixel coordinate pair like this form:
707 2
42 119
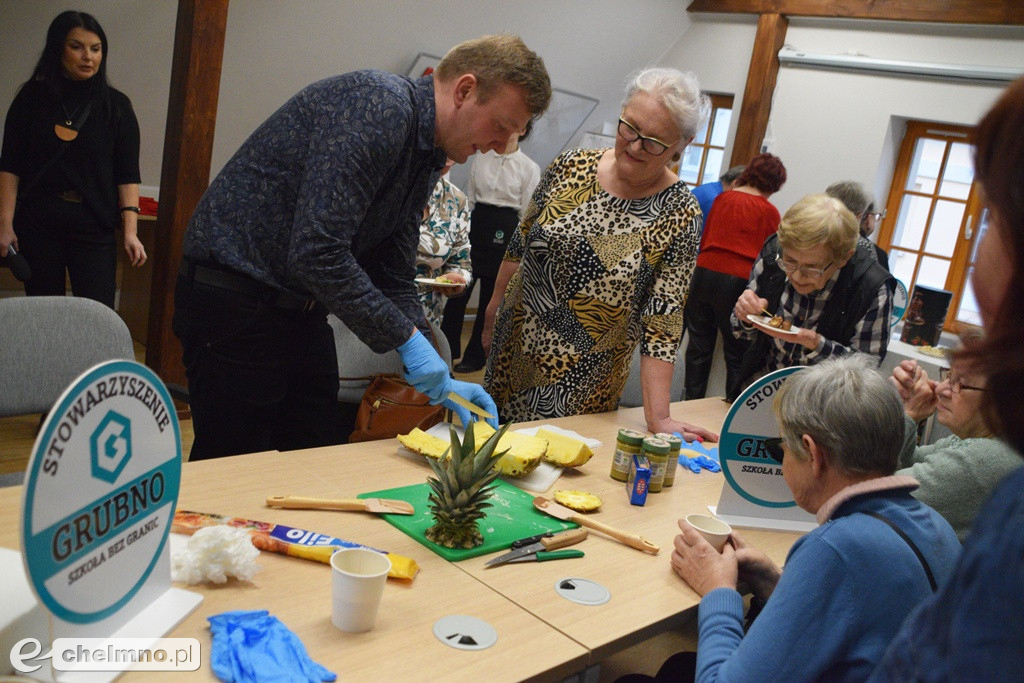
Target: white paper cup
714 530
358 576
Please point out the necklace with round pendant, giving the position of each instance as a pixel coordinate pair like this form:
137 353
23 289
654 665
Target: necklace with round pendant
64 130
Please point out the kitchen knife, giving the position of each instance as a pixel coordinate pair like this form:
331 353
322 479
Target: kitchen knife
559 540
469 405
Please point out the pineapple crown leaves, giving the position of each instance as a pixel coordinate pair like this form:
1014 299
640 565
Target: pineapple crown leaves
466 473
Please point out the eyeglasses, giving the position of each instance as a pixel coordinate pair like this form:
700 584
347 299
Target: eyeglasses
774 448
955 385
789 268
878 216
652 146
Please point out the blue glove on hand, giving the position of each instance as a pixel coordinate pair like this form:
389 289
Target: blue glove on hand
255 646
424 368
696 456
474 393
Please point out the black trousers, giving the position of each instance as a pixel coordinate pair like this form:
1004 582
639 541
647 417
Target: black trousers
259 377
711 301
489 230
58 237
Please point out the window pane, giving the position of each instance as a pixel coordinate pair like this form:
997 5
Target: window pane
720 129
968 311
702 134
933 272
911 221
901 265
945 228
713 165
924 169
959 173
689 168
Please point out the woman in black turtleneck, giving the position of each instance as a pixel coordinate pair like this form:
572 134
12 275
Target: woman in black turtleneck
69 170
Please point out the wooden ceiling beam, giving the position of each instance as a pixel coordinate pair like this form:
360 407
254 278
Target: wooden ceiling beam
933 11
757 97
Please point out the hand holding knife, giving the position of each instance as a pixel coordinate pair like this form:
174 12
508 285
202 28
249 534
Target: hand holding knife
543 549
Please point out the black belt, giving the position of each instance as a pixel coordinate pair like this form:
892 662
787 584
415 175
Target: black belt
220 278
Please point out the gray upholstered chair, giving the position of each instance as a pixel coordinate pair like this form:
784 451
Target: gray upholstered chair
48 341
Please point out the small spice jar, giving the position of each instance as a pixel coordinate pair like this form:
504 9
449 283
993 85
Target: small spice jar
627 444
674 444
656 451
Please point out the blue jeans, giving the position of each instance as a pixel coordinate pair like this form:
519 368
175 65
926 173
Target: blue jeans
259 377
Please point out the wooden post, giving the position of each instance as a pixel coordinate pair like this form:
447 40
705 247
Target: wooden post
185 175
757 96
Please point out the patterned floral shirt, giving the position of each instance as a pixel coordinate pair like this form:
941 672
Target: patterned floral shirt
598 275
325 199
444 244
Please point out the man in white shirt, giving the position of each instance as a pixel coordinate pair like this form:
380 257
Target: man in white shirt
499 190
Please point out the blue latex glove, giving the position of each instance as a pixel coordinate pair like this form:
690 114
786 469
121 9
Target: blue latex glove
255 646
475 394
696 456
424 368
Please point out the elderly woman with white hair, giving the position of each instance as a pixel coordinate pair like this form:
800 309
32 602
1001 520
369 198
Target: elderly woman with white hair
601 263
847 585
819 279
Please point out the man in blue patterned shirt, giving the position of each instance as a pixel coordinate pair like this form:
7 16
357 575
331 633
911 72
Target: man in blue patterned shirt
319 211
816 275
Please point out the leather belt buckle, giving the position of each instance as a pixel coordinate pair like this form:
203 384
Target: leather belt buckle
73 196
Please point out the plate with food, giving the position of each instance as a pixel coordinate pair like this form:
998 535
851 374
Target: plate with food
776 323
437 282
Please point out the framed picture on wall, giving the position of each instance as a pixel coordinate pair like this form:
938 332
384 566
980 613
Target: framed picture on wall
423 65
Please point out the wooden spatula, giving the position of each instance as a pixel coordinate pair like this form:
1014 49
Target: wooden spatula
386 505
552 508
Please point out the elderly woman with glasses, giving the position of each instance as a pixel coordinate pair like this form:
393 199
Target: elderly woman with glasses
847 585
958 472
818 280
600 264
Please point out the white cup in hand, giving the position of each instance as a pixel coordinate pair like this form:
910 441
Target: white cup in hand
358 576
715 531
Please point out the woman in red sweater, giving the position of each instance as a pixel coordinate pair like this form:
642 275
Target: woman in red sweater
739 222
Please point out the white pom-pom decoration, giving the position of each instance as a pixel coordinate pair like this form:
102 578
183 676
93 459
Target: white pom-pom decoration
213 554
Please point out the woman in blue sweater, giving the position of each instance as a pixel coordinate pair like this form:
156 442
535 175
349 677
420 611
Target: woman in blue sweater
848 584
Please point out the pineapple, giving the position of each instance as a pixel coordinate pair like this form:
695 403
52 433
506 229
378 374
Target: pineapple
563 450
461 489
524 452
578 500
425 444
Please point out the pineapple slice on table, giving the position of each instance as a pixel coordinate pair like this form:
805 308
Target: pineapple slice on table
577 500
425 444
563 450
524 452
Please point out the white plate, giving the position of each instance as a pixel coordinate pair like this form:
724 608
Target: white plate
434 283
762 321
538 481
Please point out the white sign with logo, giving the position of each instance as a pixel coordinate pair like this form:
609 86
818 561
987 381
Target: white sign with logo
756 495
99 495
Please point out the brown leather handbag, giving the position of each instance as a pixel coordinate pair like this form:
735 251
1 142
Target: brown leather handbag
391 406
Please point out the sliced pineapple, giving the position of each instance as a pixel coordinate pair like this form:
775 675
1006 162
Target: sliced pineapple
481 432
425 444
523 456
578 500
563 450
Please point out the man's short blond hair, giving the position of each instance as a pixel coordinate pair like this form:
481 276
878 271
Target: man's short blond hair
498 60
819 219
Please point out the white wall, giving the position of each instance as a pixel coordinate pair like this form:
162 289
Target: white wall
828 125
273 48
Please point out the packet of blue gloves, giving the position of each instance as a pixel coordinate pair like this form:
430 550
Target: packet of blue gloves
253 645
696 456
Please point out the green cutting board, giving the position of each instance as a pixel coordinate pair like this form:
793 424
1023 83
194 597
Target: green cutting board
510 517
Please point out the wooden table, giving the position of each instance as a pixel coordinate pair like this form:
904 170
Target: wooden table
540 634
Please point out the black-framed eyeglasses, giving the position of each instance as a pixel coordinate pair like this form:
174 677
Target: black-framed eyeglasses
788 267
774 448
652 146
955 385
878 216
